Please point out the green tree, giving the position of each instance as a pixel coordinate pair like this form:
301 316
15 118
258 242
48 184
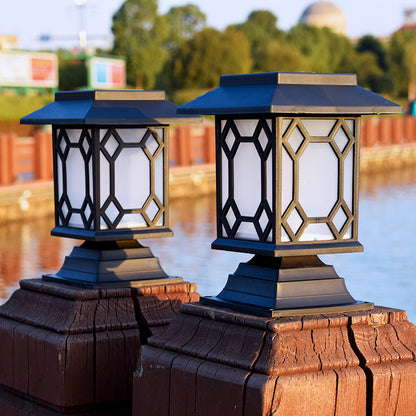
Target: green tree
260 29
184 22
280 56
369 43
401 59
140 34
327 51
208 55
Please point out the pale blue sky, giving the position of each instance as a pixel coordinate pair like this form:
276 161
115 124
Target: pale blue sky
30 18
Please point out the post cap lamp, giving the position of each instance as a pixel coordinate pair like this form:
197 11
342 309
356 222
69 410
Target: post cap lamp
287 159
110 151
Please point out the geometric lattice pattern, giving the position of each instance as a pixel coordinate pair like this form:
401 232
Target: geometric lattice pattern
91 192
305 167
337 222
245 209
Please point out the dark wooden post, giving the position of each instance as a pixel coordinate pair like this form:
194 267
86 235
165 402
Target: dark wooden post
397 130
410 129
184 145
43 156
210 144
386 136
4 160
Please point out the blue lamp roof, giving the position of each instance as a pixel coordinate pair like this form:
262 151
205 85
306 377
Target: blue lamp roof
290 93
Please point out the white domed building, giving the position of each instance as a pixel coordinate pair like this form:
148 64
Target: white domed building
325 14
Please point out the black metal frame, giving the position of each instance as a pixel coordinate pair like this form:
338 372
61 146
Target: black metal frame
92 210
277 141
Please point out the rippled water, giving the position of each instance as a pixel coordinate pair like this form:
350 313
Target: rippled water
384 273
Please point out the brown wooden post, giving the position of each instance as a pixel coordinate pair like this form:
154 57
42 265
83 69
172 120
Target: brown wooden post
370 132
173 147
397 130
184 145
12 156
4 160
409 129
386 138
209 144
43 156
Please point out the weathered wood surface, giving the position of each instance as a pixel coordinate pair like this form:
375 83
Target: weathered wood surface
213 362
70 346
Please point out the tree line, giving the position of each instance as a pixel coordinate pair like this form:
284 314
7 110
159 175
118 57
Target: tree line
179 53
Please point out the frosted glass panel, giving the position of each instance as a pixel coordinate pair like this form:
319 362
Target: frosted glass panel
74 135
247 231
341 139
224 174
76 221
348 179
230 218
159 179
132 178
284 238
104 179
295 139
131 135
316 232
269 180
247 179
132 221
350 124
59 174
246 127
285 124
112 212
287 180
263 139
294 221
348 234
160 133
152 210
340 219
318 179
75 178
318 127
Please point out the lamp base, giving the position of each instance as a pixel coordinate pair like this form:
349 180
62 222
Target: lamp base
285 286
119 263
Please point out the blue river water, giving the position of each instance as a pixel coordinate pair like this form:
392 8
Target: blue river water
384 274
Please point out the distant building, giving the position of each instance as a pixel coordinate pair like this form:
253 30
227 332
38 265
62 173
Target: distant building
409 19
325 14
8 42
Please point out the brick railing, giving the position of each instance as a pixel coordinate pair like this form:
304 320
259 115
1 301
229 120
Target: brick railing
30 158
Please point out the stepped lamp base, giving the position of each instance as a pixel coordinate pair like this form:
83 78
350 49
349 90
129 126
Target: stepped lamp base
285 286
119 263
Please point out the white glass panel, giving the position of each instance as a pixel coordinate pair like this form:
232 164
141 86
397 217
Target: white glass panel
318 127
132 178
76 221
316 232
224 181
160 133
247 179
295 221
348 179
62 145
74 135
103 224
246 128
59 174
284 237
75 178
318 179
263 139
263 220
111 145
152 210
339 219
223 123
287 180
112 212
348 234
247 231
131 135
295 139
91 180
161 220
341 139
230 139
230 218
152 144
269 180
159 177
285 124
64 209
104 179
350 124
132 221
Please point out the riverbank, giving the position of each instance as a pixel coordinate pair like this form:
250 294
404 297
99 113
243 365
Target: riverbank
29 200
